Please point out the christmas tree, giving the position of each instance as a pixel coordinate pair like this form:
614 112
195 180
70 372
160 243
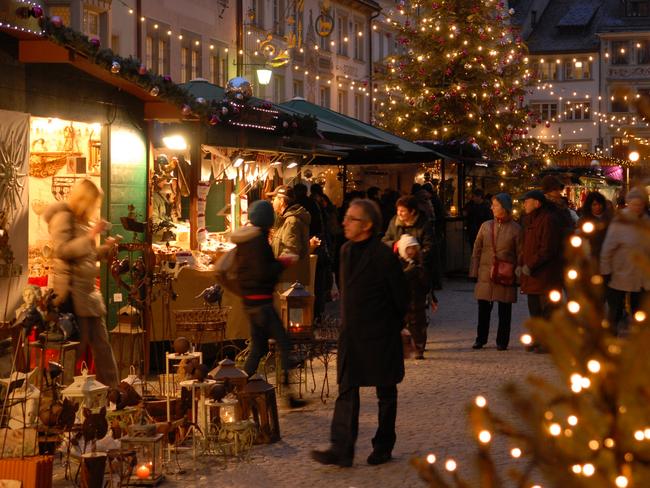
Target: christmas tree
459 75
594 429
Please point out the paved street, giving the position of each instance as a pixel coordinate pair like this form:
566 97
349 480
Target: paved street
431 414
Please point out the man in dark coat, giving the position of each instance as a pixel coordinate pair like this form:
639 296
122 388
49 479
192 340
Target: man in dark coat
374 299
541 254
476 211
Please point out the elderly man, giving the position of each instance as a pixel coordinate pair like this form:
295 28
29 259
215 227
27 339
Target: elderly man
291 233
374 298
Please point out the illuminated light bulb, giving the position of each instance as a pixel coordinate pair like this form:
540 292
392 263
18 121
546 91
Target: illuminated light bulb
576 241
576 468
608 443
593 366
484 436
621 481
526 339
594 445
574 307
431 458
588 469
480 401
646 432
572 274
555 429
639 316
588 227
515 452
450 465
596 280
572 420
639 435
555 296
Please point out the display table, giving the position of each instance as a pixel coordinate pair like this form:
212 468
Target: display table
189 284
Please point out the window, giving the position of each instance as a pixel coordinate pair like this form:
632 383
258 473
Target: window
115 43
278 89
637 8
620 52
324 43
547 70
545 111
643 52
579 69
579 145
259 13
619 103
279 16
324 96
359 112
358 41
298 88
342 102
60 11
380 39
577 110
191 63
91 23
184 56
342 36
218 65
156 48
195 64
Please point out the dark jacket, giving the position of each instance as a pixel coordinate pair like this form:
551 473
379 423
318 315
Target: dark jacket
418 283
257 269
291 236
422 230
541 251
374 298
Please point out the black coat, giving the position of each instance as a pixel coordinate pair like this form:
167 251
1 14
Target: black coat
257 269
374 298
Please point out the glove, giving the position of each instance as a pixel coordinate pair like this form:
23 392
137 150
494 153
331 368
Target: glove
525 270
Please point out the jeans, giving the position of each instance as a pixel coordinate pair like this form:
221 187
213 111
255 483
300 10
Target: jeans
265 324
345 422
505 316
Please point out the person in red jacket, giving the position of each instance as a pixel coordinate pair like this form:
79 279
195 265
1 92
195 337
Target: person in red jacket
541 255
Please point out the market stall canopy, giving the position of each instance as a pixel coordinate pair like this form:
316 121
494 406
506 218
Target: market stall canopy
374 145
461 151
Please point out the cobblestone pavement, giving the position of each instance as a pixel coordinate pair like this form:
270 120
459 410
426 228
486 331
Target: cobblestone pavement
431 412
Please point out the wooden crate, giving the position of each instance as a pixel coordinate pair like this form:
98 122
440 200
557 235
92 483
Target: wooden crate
34 471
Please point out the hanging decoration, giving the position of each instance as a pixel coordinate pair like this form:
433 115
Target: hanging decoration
324 22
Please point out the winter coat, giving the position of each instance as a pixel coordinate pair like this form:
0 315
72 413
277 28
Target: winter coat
418 283
507 237
374 299
597 237
75 261
627 238
291 236
422 230
541 251
257 269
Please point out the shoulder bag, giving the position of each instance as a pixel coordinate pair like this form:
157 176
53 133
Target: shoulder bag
502 272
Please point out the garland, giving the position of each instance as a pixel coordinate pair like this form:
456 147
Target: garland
231 110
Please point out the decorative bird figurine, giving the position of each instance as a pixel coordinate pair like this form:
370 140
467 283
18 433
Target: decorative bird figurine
95 426
212 295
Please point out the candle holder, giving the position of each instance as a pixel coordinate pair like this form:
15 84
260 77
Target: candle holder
149 454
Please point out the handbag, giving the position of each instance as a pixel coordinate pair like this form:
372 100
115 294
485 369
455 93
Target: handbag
502 272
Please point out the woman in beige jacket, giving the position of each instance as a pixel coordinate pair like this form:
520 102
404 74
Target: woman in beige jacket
507 238
75 271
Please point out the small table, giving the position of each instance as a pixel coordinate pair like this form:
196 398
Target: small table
200 417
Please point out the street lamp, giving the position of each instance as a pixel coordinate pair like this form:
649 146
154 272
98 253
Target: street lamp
633 156
264 76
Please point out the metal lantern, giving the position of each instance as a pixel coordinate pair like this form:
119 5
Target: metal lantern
297 308
135 381
228 410
87 392
259 403
229 374
149 455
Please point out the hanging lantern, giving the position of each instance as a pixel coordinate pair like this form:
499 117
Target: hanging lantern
149 454
86 391
135 381
229 374
297 309
259 403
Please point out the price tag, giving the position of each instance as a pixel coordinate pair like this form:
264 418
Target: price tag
117 297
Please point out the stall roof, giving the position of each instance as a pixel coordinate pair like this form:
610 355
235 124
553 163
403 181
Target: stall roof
389 147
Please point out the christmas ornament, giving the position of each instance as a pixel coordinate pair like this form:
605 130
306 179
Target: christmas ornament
213 120
37 12
167 79
95 42
56 21
154 91
115 67
224 110
186 110
142 70
201 101
239 88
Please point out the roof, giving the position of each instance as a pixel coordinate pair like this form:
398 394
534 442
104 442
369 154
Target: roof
579 15
613 19
384 146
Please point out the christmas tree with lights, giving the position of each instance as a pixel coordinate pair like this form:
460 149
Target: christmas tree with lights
591 431
459 75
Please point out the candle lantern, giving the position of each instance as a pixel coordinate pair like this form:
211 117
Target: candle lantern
259 403
149 454
297 309
86 391
228 411
229 374
135 381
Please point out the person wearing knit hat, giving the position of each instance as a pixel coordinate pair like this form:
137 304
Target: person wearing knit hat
419 283
505 200
261 214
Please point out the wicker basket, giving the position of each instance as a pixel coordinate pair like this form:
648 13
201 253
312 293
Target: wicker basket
202 324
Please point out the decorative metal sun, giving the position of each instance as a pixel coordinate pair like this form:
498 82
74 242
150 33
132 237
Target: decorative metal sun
11 179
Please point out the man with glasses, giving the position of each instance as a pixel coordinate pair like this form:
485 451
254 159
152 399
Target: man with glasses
374 298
